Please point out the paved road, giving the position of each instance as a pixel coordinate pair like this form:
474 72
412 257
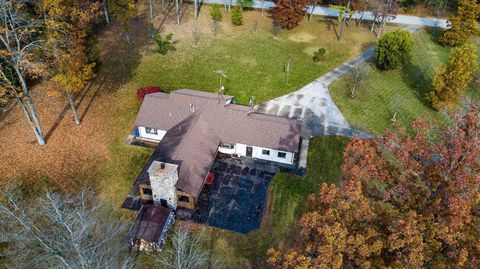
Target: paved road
325 11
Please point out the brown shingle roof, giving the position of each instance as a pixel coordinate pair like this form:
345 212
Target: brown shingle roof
230 122
193 138
150 223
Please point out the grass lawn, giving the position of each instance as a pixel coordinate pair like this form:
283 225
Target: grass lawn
253 58
372 108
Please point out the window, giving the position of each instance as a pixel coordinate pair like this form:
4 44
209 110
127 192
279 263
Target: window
282 155
227 146
184 199
265 152
151 130
147 191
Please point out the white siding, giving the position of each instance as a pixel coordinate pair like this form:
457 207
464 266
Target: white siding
241 149
143 134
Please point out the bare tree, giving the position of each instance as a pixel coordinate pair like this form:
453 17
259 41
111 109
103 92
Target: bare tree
288 68
396 105
105 11
62 231
151 16
186 251
357 76
18 40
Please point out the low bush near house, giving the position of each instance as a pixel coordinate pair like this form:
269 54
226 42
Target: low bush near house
141 92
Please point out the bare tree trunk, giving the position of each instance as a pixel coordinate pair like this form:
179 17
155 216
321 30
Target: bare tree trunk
127 37
33 112
150 13
311 13
177 11
373 23
71 100
225 5
196 8
344 21
105 11
361 18
263 9
382 26
38 135
163 6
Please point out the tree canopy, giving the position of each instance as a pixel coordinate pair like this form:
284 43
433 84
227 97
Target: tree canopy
450 80
464 23
289 12
393 49
410 199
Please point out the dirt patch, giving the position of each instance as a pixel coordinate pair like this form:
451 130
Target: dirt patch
301 37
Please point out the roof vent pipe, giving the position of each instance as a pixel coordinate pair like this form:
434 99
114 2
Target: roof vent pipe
192 108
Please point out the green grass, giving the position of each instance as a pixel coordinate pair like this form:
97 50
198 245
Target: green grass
285 203
372 110
254 62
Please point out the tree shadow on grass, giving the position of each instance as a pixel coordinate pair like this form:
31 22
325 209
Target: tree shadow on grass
419 81
435 34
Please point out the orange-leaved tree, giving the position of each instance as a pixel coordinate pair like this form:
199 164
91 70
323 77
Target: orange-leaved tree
409 199
289 13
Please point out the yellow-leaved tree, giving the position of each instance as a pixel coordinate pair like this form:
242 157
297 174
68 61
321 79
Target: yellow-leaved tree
464 23
450 80
67 24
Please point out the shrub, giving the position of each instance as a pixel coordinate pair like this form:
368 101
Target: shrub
141 92
290 12
237 16
215 13
164 44
319 55
393 49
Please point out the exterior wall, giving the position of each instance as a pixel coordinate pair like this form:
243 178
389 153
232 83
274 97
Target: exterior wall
143 134
191 200
241 149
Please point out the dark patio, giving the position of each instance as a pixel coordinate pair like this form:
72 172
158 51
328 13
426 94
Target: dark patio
236 199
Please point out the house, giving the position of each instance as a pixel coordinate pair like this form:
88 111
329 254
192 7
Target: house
190 128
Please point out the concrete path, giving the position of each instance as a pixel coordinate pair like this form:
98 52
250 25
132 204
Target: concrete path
326 11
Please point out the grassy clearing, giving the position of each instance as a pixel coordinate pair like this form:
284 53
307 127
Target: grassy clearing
252 56
372 108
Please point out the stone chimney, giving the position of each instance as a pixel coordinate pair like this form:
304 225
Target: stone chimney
163 178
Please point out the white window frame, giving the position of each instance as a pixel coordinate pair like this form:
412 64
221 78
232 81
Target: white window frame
266 152
149 130
282 153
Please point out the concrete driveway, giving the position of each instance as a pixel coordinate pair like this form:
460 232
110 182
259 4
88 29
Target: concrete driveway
315 107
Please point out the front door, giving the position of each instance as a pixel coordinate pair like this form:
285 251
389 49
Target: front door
249 151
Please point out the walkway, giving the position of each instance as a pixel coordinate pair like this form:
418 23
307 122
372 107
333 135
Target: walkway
325 11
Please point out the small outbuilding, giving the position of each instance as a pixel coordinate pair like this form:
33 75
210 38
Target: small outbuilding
150 228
